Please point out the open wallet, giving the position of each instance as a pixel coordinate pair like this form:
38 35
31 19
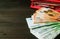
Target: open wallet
54 4
45 21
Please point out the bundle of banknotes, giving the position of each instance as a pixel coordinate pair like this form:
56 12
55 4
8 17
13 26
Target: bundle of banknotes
44 24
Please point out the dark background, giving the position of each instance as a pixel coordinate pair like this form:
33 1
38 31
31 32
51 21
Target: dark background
12 19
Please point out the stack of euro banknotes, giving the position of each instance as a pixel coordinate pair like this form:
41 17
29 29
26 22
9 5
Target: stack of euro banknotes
44 27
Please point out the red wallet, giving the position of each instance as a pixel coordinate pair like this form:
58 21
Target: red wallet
37 4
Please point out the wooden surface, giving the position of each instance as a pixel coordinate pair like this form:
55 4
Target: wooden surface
13 24
12 20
